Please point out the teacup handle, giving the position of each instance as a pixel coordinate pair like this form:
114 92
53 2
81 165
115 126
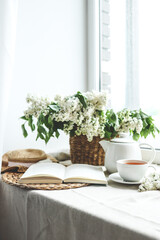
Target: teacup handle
153 151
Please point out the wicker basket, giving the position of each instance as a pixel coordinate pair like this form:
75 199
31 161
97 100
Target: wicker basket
86 152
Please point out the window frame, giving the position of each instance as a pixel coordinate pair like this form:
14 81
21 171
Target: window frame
93 33
132 85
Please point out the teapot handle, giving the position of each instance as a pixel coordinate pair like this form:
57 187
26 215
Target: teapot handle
153 151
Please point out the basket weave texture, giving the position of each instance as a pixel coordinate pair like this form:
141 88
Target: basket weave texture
13 179
83 151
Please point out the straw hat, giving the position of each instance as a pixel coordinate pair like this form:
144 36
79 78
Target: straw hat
19 160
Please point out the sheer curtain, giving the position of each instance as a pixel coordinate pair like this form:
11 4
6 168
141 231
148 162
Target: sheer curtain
8 21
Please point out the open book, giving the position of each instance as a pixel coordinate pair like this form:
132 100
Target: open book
56 173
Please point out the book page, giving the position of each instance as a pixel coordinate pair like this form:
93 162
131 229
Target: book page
42 179
85 173
47 169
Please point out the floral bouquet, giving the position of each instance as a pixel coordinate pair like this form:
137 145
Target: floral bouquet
85 118
79 114
135 122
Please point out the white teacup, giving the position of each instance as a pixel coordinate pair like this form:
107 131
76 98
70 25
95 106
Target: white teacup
132 170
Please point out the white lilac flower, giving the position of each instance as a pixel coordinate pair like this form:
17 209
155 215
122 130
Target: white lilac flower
97 99
150 182
157 185
71 111
87 120
127 122
37 105
58 98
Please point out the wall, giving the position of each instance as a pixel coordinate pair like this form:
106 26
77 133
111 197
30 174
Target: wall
50 59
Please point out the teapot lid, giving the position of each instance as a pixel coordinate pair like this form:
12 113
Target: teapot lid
123 138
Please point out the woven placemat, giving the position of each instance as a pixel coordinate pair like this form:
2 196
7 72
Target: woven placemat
12 179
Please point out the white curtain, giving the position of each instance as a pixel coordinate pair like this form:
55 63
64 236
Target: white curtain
8 22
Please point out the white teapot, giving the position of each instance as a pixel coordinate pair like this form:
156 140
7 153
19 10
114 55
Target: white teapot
122 148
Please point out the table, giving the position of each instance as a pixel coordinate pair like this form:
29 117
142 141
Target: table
112 212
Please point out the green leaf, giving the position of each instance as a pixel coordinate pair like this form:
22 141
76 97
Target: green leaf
47 138
107 135
37 136
41 129
153 134
24 118
50 121
143 115
57 134
33 127
50 132
41 136
136 136
30 123
40 119
41 132
149 120
145 123
54 107
100 113
113 117
25 134
72 132
144 133
82 99
157 130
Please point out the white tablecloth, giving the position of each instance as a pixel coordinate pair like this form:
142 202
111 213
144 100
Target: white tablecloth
111 212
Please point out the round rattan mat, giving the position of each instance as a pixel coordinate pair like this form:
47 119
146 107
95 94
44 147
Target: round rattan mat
12 179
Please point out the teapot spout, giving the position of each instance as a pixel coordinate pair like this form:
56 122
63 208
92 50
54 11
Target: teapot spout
104 144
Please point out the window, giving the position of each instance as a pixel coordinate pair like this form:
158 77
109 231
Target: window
129 55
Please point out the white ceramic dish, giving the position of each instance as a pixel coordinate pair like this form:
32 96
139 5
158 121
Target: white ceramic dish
116 178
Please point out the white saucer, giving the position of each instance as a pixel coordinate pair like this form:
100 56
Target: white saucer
116 178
